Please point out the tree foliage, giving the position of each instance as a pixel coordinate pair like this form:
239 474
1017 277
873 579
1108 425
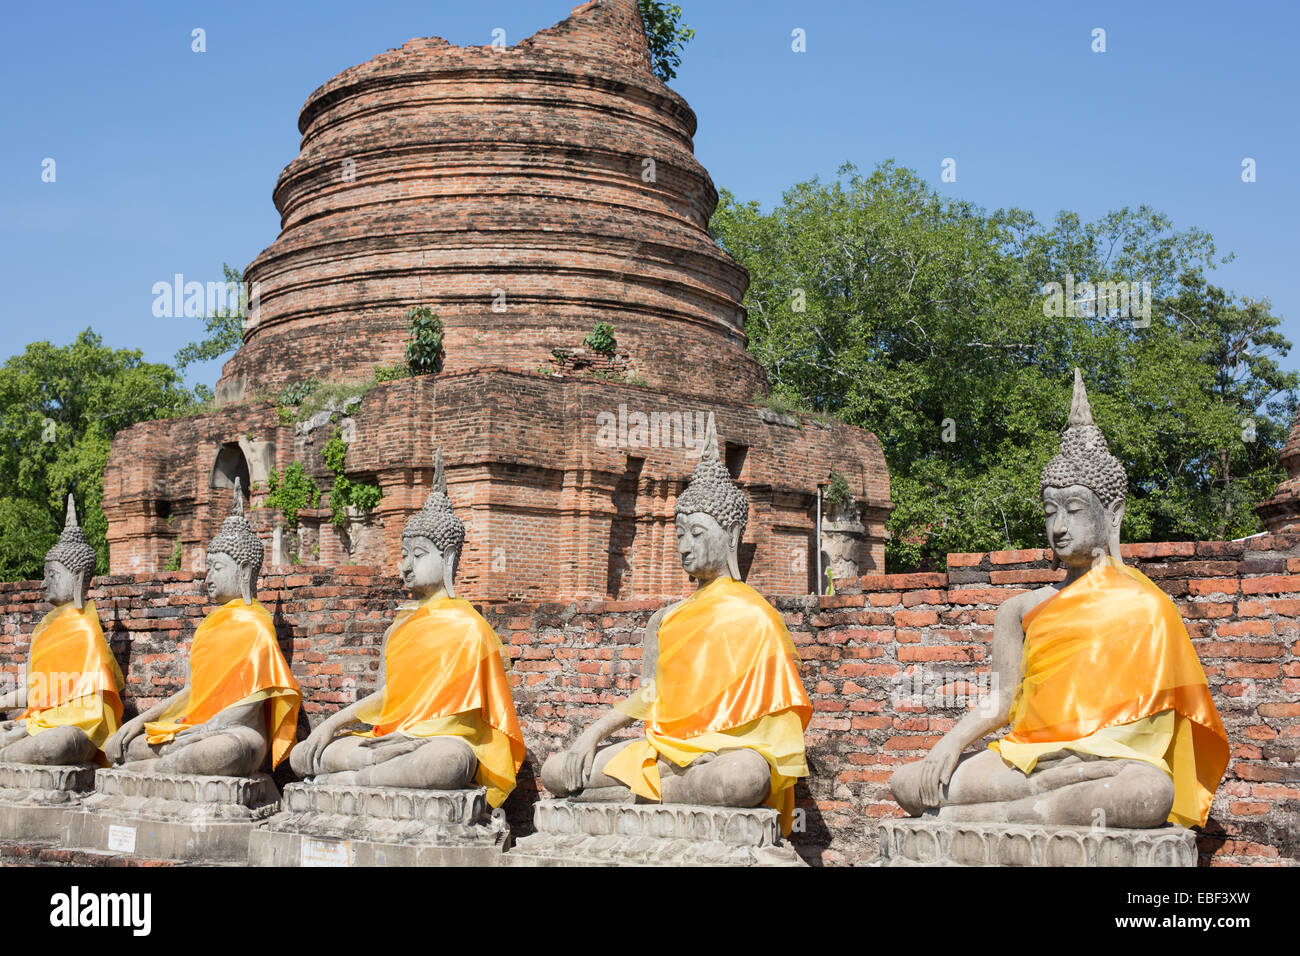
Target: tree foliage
60 407
224 328
922 318
666 36
424 344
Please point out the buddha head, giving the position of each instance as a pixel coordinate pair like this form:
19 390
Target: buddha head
69 565
1083 490
711 516
432 541
234 557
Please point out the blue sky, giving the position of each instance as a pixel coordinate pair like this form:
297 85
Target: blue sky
165 158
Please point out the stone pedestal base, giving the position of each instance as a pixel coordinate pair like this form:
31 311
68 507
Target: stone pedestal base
573 833
324 825
931 842
172 816
35 800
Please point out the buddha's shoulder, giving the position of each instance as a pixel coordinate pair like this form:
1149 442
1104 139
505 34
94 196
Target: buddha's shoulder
744 602
466 614
1018 605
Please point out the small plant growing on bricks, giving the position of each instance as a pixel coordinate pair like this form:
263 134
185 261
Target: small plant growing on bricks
424 347
296 393
359 494
391 373
600 338
838 493
291 493
174 563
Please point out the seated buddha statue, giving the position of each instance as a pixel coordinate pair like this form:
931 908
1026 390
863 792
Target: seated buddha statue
74 686
1111 719
722 703
442 716
240 702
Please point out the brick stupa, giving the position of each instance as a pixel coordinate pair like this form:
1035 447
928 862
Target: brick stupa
1281 512
523 194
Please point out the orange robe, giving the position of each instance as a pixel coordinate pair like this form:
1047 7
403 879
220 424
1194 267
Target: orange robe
1103 660
445 675
72 677
235 659
727 678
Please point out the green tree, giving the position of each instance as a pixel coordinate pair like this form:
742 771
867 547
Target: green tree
666 36
924 319
60 407
224 328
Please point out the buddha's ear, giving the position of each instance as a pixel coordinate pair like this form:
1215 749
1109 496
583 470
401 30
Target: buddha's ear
80 585
246 584
733 553
1115 514
450 558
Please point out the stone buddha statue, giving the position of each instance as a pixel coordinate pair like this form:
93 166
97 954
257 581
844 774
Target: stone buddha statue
1111 719
74 686
240 700
720 696
442 716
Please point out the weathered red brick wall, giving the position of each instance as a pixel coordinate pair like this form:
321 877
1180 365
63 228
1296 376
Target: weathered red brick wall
560 504
889 670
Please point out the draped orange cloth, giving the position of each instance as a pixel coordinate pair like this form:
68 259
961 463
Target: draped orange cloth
72 676
1108 650
727 678
235 658
445 675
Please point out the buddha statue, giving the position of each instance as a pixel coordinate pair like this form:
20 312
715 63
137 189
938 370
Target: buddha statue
442 716
723 707
74 686
240 701
1111 719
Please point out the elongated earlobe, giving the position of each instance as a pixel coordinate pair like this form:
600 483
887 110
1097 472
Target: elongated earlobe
1116 516
449 561
246 587
733 555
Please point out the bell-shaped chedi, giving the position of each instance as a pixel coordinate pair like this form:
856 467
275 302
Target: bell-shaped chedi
523 194
1281 513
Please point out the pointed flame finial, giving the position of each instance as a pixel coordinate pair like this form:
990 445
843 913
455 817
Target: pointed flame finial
710 449
237 506
71 520
1080 410
439 476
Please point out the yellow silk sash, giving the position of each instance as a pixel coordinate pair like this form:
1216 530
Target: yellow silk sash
727 678
72 677
234 658
1109 650
445 675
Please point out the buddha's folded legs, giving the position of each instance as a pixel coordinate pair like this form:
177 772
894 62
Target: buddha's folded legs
52 747
1065 789
733 778
233 752
432 763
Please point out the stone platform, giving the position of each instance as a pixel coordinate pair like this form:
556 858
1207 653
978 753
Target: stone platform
574 833
35 800
931 842
172 816
326 825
